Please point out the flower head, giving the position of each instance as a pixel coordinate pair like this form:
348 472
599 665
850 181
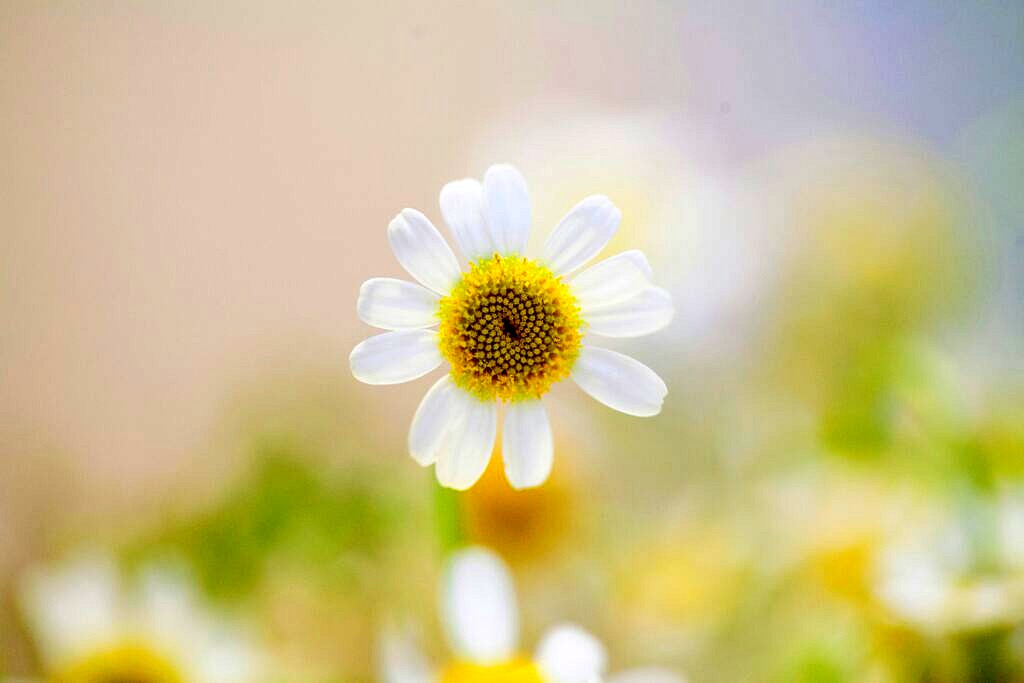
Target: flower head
92 627
481 619
507 325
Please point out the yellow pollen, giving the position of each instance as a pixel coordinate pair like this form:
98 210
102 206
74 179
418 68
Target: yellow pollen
515 671
125 663
510 329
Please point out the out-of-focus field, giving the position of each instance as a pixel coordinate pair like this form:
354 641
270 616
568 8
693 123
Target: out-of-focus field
191 194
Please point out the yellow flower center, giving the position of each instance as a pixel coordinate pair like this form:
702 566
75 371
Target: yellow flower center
510 329
127 663
515 671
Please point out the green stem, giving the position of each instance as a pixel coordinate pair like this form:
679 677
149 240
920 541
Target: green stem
451 532
987 658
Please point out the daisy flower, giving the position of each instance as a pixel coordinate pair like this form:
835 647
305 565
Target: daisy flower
91 626
507 326
481 621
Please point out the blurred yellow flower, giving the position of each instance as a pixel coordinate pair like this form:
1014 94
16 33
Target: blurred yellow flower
520 525
844 570
521 671
873 257
125 662
680 584
836 520
872 220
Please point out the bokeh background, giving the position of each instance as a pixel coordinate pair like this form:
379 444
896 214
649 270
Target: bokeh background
191 194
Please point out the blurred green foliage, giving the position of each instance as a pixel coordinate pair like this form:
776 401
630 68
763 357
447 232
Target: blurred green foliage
285 507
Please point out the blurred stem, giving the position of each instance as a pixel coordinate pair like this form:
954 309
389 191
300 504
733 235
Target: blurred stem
451 532
986 657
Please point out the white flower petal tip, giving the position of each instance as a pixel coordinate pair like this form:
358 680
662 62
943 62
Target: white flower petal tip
463 208
507 203
468 441
72 606
620 382
583 233
527 446
392 304
395 357
569 654
643 313
400 659
480 612
233 660
609 281
439 409
651 674
422 251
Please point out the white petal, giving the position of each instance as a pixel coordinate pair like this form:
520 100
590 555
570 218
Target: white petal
619 382
613 279
396 304
166 610
647 674
73 608
395 357
227 657
569 654
479 602
401 660
462 205
468 442
508 208
440 408
581 234
165 601
526 444
422 251
913 585
643 313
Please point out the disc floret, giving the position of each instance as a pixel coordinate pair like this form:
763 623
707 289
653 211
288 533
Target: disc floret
510 329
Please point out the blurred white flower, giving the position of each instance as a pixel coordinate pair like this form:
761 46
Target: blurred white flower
508 326
481 620
682 204
952 577
92 626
